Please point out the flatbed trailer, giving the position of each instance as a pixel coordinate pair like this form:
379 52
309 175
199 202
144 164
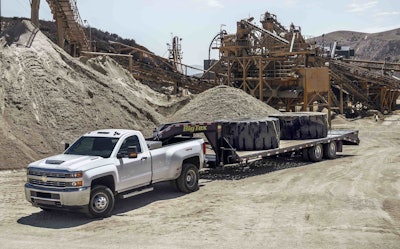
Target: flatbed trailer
340 137
225 154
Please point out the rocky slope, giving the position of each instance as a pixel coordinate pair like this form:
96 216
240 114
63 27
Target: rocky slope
374 46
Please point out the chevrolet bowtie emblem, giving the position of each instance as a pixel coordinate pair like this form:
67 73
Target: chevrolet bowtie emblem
44 178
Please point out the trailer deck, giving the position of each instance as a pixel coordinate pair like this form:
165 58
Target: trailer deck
346 136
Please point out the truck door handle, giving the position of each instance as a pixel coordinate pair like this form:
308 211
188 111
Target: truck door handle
143 158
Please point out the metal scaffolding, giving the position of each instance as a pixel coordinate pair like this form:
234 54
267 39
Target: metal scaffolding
278 66
273 64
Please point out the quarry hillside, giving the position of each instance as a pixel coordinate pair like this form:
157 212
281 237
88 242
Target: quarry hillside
367 46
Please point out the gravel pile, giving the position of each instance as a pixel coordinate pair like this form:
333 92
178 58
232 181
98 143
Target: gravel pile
223 103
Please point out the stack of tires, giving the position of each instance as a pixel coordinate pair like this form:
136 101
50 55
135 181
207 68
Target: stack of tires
302 125
252 134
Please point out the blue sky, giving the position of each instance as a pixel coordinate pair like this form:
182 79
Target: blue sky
151 22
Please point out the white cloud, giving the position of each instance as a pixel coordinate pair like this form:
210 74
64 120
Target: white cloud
360 6
388 13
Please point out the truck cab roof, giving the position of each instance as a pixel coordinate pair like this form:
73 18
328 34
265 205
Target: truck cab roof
115 133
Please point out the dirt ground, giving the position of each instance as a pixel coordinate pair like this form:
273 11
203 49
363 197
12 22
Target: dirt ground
350 202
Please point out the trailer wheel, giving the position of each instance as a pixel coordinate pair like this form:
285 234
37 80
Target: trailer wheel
330 150
101 202
188 181
315 153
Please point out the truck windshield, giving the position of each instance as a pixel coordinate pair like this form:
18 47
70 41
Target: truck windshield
93 146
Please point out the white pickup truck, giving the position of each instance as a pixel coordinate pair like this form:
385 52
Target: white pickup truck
105 164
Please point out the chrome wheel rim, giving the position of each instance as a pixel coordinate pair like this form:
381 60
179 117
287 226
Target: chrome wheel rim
100 202
191 178
318 151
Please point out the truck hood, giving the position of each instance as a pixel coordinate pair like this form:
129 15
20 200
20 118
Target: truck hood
70 162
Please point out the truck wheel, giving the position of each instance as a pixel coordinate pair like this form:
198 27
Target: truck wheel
315 153
188 181
330 150
101 202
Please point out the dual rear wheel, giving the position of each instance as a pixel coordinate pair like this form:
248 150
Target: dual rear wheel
320 151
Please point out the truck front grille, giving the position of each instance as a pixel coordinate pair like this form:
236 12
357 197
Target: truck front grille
47 183
38 172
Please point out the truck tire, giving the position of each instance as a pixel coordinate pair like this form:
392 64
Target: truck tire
330 150
262 138
188 181
101 202
302 125
315 153
247 135
244 136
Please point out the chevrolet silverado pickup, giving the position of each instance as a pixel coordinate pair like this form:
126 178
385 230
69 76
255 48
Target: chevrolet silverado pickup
105 164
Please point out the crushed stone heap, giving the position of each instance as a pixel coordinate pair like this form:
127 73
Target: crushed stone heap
48 98
223 103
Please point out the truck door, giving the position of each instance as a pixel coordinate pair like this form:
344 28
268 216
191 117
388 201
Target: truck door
134 172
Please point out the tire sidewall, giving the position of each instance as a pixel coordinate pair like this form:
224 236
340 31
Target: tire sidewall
191 170
330 150
316 153
105 192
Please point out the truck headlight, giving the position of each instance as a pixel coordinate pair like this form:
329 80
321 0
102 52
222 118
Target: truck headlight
74 184
77 174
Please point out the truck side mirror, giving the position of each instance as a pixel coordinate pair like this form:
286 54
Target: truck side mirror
132 152
66 146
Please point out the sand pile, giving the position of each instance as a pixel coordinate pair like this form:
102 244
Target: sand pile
48 98
223 103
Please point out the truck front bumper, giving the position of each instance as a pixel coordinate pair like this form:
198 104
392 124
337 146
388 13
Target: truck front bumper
68 198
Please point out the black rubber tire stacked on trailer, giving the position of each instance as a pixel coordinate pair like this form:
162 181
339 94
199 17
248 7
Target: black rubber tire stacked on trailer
302 125
252 134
